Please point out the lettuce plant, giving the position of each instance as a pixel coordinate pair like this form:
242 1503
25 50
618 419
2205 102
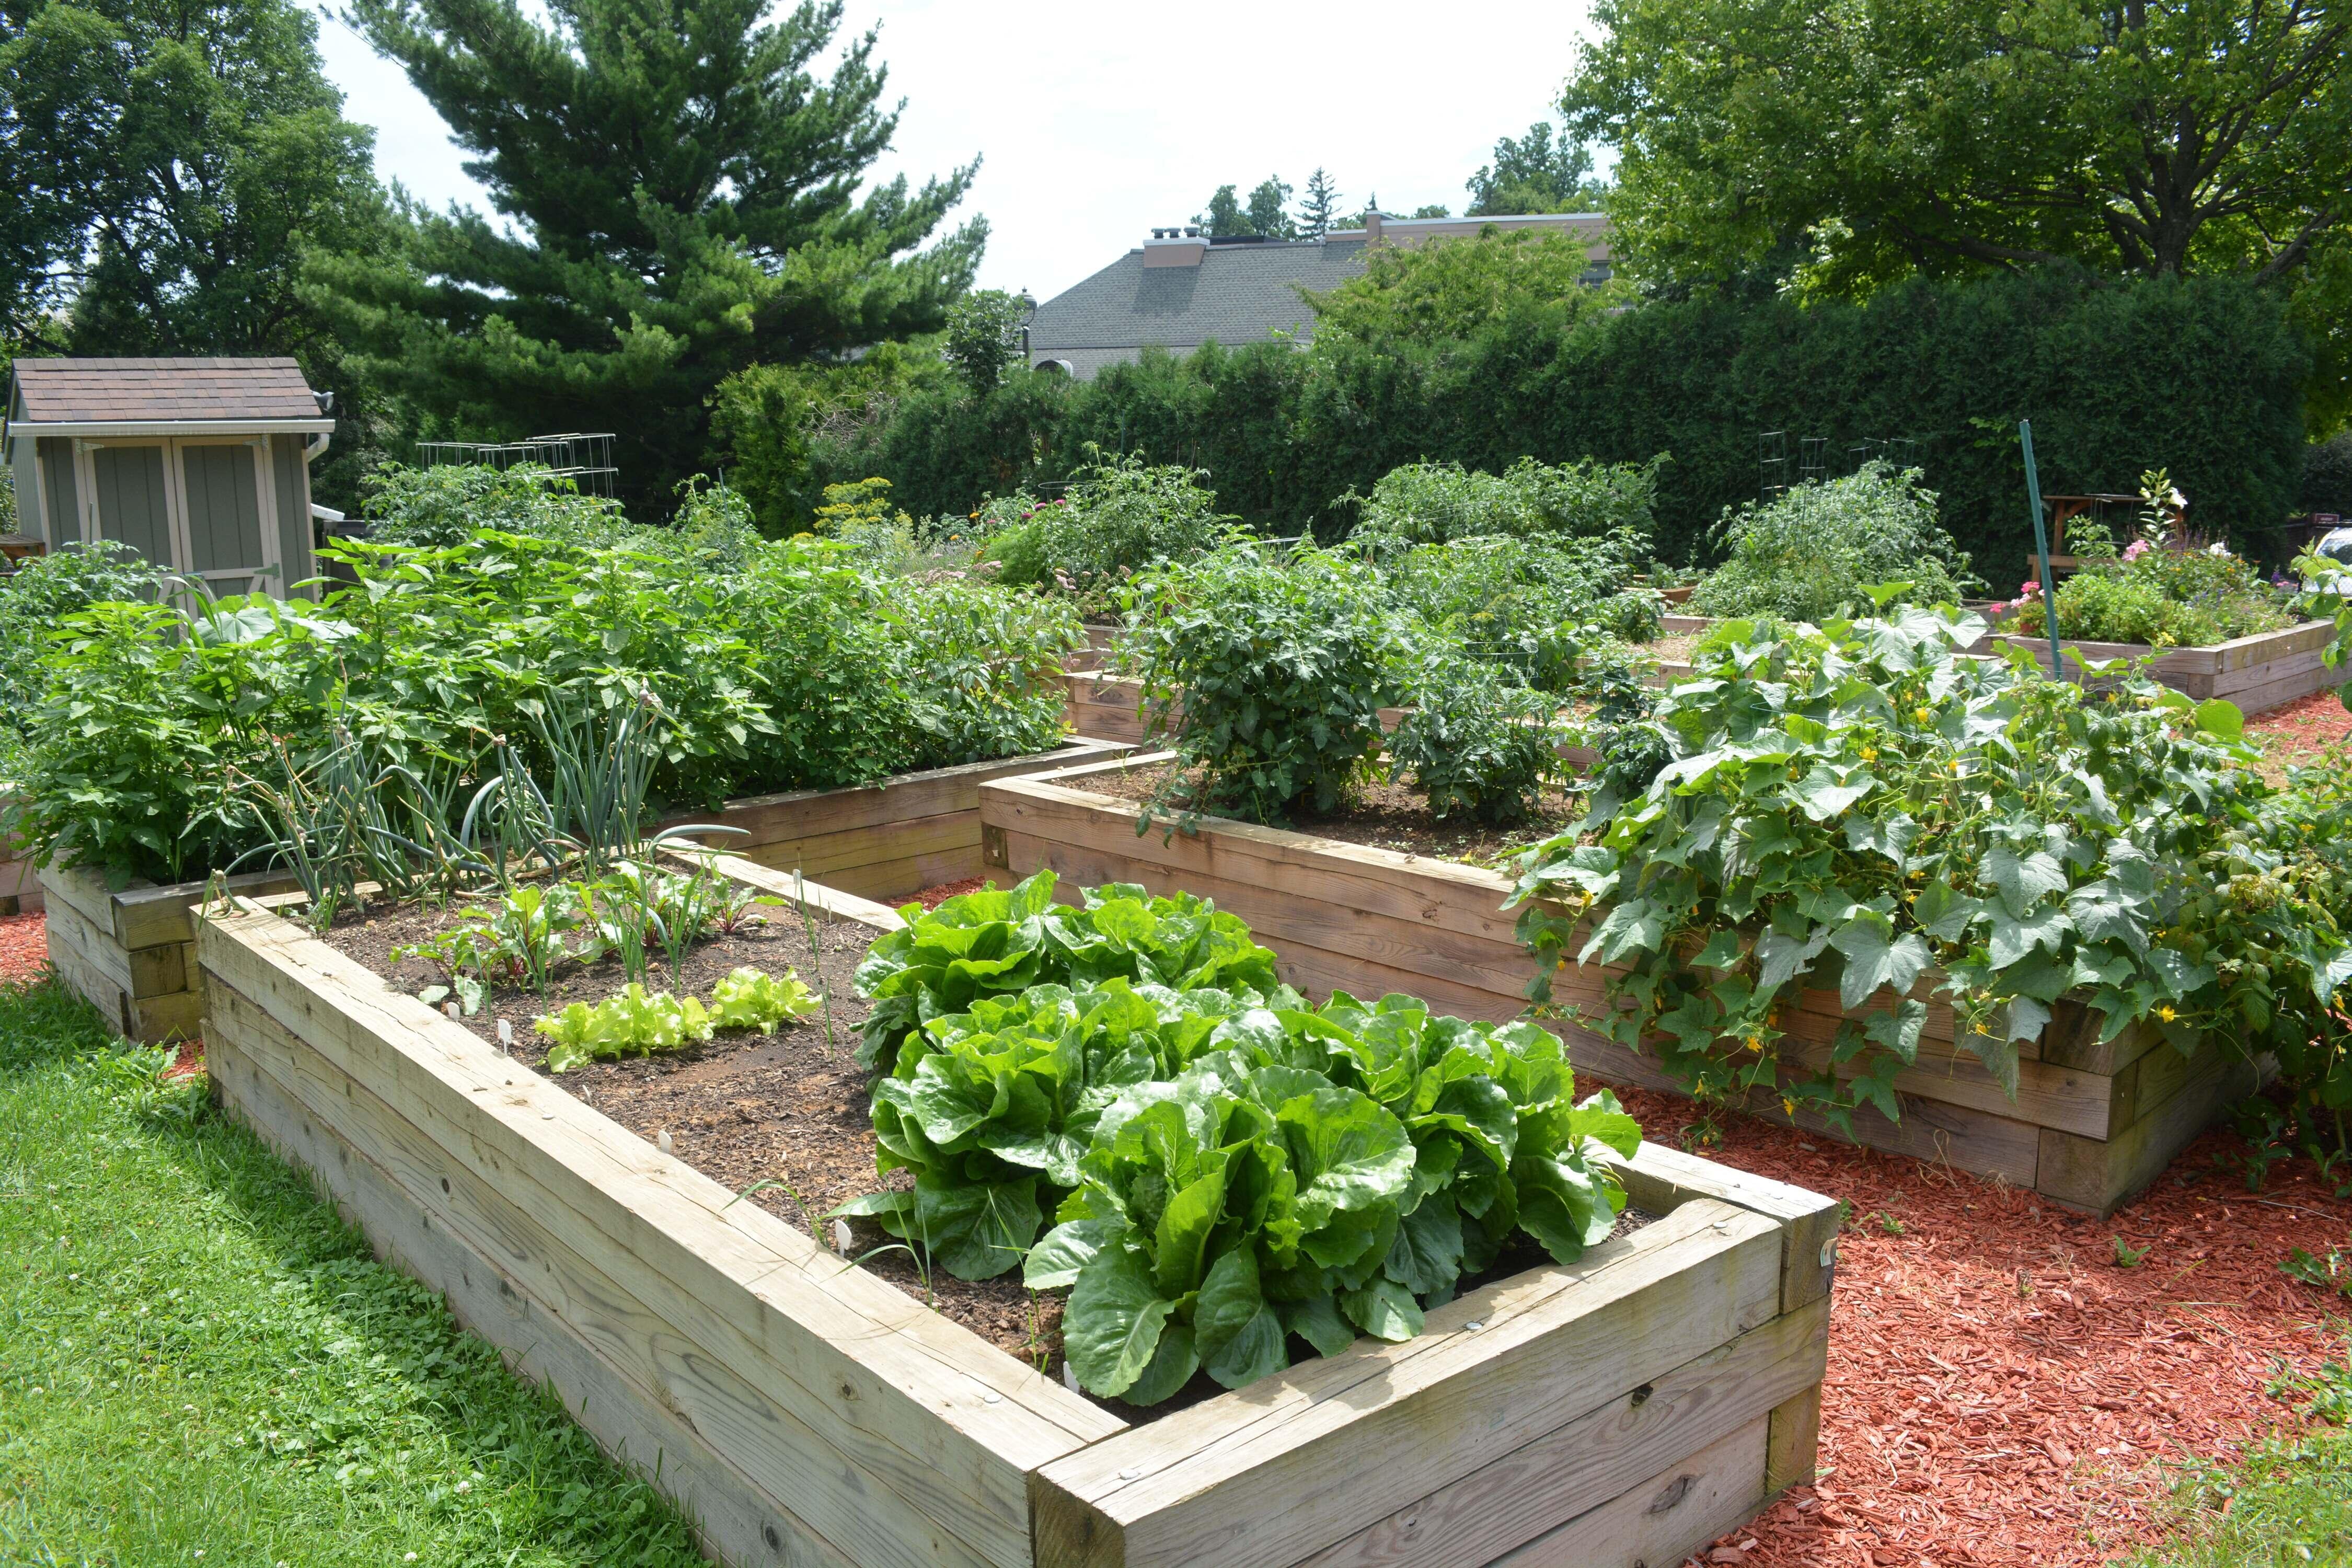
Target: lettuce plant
635 1022
1313 1174
995 942
754 999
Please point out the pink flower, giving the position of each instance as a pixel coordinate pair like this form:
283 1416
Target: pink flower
2027 590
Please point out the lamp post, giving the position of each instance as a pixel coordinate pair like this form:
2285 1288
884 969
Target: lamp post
1028 314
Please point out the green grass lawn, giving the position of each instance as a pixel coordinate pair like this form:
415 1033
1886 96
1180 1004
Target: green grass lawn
200 1364
2288 1500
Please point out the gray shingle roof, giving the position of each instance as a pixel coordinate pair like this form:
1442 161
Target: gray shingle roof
1238 294
101 391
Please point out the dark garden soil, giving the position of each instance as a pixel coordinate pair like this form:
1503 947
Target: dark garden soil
2001 1391
1384 816
787 1108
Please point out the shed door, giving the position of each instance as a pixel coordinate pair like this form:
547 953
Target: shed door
202 507
226 545
131 499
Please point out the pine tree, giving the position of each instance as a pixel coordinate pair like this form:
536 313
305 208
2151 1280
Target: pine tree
681 192
1319 208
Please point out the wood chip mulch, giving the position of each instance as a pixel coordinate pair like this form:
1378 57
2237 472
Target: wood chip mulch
23 946
933 896
2303 730
2001 1390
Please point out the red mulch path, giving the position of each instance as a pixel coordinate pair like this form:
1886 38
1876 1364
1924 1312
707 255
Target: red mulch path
2000 1390
2305 726
23 946
932 898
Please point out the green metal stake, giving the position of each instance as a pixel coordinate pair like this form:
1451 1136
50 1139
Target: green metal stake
2040 546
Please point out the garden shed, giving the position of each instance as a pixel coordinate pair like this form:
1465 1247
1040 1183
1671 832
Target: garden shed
200 465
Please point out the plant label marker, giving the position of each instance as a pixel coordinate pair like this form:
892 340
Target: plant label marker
841 1236
2040 546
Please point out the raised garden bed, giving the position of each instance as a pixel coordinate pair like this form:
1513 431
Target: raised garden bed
889 840
2269 669
2090 1126
806 1412
129 952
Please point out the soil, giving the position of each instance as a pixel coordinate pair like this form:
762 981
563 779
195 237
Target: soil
1384 816
1672 648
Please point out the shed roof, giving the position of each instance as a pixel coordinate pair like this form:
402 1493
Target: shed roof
163 391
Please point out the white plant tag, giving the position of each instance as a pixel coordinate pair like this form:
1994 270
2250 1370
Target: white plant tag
1070 1379
841 1238
662 1143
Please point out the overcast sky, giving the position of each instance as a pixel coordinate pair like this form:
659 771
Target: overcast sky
1096 121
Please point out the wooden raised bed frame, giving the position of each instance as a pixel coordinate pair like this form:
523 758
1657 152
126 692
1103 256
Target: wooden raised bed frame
2267 671
1625 1410
2091 1124
131 953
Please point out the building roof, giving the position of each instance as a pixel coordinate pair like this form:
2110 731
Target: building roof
84 392
1236 294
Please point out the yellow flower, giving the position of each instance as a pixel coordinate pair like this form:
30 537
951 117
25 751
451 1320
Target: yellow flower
2166 1013
1870 753
1955 767
1788 1108
1755 1042
1924 714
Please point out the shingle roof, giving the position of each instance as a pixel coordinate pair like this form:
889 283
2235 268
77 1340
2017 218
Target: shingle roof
104 391
1238 294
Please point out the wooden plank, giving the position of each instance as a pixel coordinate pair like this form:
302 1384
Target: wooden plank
1261 1477
1416 888
817 854
156 1019
2089 1174
1939 1135
150 916
828 901
901 880
82 891
706 1386
66 927
160 971
932 793
1794 1446
1664 1519
2089 1104
2071 1040
1602 1454
889 1384
734 1520
1660 1179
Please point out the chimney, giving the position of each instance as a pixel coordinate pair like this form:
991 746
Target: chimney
1371 228
1180 246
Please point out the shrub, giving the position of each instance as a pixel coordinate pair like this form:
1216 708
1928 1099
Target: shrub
1123 516
1537 605
1434 503
2160 590
1807 555
1267 672
1478 742
2328 474
445 505
35 599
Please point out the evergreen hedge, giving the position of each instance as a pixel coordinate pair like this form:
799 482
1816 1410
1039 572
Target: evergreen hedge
2203 376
